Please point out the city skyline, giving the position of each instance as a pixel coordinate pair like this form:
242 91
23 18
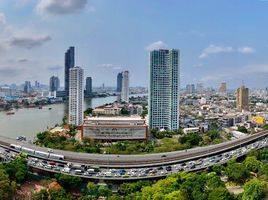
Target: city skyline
214 50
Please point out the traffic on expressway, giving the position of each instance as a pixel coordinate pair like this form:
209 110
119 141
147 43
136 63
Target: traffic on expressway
128 161
190 160
95 172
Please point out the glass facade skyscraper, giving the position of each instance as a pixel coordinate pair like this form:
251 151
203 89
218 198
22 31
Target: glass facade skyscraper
69 63
88 86
119 82
164 89
54 83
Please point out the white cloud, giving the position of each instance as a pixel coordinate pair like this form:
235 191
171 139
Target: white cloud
246 71
2 19
110 66
11 37
198 65
213 49
246 50
28 42
60 7
21 3
156 45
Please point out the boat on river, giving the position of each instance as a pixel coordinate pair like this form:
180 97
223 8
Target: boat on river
11 112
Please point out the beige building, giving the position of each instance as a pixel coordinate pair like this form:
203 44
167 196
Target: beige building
242 96
115 128
223 88
107 110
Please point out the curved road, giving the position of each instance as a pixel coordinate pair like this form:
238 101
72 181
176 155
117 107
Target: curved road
144 160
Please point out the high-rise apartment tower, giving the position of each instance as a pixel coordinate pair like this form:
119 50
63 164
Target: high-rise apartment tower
164 89
223 88
125 87
242 96
76 95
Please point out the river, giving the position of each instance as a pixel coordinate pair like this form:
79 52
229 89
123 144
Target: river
29 121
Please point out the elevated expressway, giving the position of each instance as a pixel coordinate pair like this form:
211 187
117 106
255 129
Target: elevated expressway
105 161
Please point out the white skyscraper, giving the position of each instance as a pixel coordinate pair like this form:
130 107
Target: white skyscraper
164 89
76 95
125 87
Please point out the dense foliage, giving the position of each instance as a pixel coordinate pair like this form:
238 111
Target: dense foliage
55 141
69 182
188 186
10 174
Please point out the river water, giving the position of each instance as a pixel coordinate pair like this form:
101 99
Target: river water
29 121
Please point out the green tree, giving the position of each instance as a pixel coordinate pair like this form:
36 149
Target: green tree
17 169
88 111
175 195
213 182
114 197
264 171
87 198
64 120
252 164
41 195
213 134
104 191
60 194
144 112
254 190
192 139
220 193
124 111
68 182
7 188
236 171
92 189
218 168
242 129
128 188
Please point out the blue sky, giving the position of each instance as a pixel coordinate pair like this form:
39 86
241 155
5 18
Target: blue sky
222 40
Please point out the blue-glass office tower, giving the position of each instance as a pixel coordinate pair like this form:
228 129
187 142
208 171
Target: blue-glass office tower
88 92
119 82
69 63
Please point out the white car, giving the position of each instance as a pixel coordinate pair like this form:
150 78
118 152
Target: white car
66 170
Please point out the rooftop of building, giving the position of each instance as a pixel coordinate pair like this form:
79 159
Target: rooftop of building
115 118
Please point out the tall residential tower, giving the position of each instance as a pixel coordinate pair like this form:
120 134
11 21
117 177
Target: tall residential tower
125 87
223 88
242 96
164 89
76 96
69 63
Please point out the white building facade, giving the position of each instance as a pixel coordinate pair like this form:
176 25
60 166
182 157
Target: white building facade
76 95
164 89
125 87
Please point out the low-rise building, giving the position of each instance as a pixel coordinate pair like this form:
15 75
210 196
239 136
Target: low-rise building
107 110
191 130
115 128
